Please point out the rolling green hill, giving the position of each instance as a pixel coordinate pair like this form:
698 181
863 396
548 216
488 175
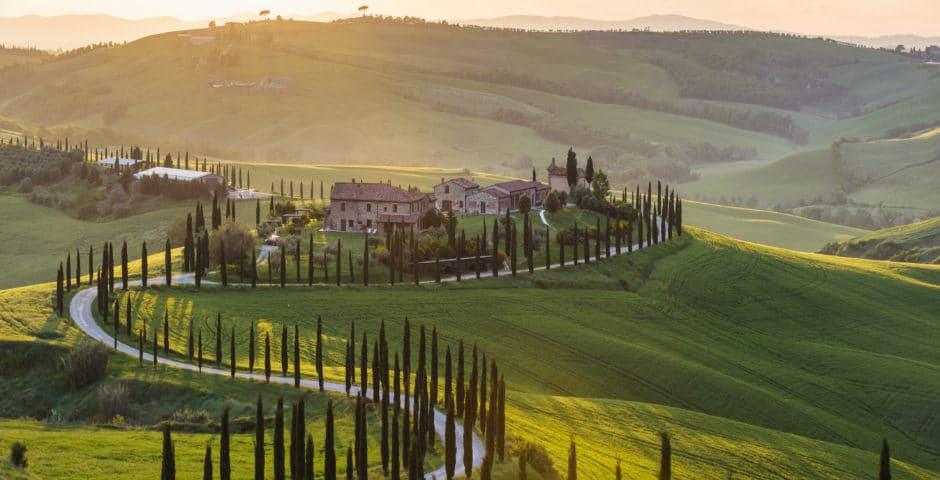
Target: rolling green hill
382 92
742 351
883 177
918 243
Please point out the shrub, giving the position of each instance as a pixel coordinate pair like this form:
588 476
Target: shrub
563 198
238 239
552 202
112 401
87 364
18 454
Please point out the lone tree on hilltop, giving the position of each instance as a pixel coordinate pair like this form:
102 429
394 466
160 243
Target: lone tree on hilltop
665 460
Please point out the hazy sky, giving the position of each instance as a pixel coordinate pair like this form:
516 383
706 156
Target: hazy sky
835 17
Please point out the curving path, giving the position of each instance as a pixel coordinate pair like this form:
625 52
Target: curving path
81 313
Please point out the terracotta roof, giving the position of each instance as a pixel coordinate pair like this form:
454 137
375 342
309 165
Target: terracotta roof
463 182
494 192
373 192
517 185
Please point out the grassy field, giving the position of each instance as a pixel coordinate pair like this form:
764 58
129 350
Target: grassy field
766 227
724 332
37 238
893 173
917 242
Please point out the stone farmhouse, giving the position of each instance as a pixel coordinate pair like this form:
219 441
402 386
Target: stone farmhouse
364 207
464 196
558 177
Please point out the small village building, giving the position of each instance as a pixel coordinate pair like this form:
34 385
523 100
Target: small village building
515 189
362 207
182 175
451 195
558 177
121 162
489 200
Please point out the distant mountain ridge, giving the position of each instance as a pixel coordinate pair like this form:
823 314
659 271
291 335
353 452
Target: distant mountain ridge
664 23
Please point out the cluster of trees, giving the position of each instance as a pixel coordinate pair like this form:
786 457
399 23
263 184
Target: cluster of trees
289 193
37 166
404 396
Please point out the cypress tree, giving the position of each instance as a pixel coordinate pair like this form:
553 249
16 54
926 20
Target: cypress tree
78 268
232 353
225 463
523 475
127 315
60 294
495 260
207 463
279 470
573 462
352 271
168 263
308 459
448 377
140 348
513 253
91 265
459 388
618 475
476 262
329 453
501 420
168 471
259 440
254 268
199 350
884 473
124 265
143 265
481 409
166 332
223 267
297 358
284 349
251 348
396 467
267 356
310 262
297 265
665 459
68 272
587 246
154 348
339 261
258 212
218 339
319 352
283 267
190 343
397 391
468 434
363 366
577 238
350 466
450 441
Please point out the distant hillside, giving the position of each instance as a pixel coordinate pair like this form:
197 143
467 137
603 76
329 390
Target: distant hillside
659 23
918 243
373 91
66 32
891 41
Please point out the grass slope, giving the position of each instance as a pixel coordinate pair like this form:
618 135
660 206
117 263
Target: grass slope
766 227
66 436
918 242
831 350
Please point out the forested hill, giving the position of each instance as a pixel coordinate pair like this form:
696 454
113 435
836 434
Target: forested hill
407 92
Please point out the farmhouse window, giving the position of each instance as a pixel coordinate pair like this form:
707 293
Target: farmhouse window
342 207
394 208
368 207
